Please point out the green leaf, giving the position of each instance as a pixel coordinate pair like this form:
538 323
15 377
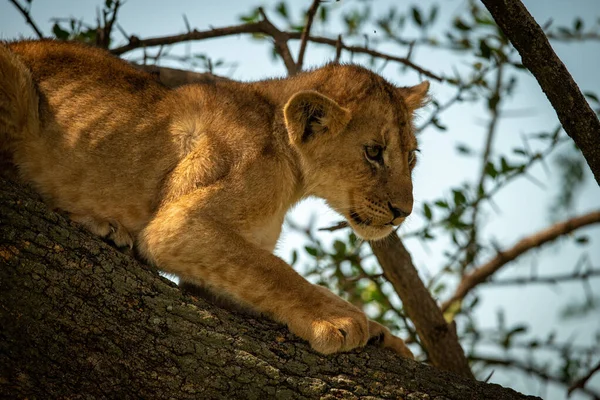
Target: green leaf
294 257
417 16
490 170
460 25
323 14
520 152
493 101
463 149
459 197
281 8
252 17
339 247
486 51
591 96
505 166
518 329
582 240
427 211
433 14
578 24
438 124
441 204
59 32
311 250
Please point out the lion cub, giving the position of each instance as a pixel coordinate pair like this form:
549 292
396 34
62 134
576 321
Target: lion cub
200 178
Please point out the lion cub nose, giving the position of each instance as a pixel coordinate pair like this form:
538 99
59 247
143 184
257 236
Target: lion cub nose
397 212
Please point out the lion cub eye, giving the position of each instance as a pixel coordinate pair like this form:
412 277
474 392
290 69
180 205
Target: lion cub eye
374 153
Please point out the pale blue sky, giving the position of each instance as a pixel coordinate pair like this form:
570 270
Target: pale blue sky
524 207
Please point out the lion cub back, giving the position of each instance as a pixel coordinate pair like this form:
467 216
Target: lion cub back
99 146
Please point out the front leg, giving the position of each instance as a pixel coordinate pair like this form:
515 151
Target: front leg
183 240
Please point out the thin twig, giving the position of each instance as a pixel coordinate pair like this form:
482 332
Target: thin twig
338 226
552 279
310 15
28 18
580 383
480 274
511 363
338 49
471 247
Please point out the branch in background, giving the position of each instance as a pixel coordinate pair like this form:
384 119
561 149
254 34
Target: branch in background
437 336
552 279
494 105
105 27
580 383
136 43
280 40
28 18
577 117
310 15
266 27
363 50
530 369
480 274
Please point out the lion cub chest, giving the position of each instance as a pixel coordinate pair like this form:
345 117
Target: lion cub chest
266 233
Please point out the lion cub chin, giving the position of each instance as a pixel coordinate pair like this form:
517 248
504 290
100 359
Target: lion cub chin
199 178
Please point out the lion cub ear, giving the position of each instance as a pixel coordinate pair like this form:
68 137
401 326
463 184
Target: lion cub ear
415 96
309 114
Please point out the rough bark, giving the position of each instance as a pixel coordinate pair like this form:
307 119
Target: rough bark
79 319
439 338
576 116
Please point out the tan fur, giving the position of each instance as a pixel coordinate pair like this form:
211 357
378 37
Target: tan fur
201 177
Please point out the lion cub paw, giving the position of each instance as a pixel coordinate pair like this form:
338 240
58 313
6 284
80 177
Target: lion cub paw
113 231
381 336
330 324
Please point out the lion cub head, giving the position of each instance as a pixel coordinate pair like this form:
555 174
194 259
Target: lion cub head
355 137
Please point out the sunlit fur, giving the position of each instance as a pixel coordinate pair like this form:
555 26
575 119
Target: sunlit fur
199 178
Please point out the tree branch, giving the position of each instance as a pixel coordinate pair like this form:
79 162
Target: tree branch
136 43
267 28
480 274
78 316
437 336
512 363
577 117
548 280
363 50
280 40
28 18
310 15
580 383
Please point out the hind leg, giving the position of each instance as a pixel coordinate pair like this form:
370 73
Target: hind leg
112 230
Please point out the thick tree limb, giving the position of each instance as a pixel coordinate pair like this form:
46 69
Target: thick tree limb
437 336
480 274
577 117
78 319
